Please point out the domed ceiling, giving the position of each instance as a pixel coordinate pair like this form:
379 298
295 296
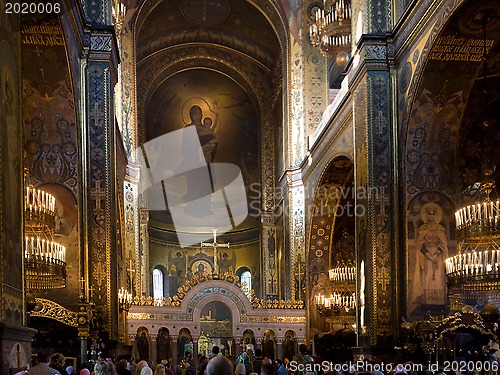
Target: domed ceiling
239 33
235 24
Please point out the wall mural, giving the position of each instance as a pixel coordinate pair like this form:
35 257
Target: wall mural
11 191
50 133
230 131
435 123
431 239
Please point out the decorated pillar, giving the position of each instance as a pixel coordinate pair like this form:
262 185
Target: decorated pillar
296 220
154 349
142 256
99 196
195 351
175 338
279 347
376 213
133 344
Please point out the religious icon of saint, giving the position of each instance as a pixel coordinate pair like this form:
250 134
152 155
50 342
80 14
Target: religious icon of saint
429 282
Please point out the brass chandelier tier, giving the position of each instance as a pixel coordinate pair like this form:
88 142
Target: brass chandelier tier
475 270
331 30
338 302
45 261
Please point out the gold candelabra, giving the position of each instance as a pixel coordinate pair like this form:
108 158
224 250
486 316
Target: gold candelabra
331 30
476 268
45 259
124 299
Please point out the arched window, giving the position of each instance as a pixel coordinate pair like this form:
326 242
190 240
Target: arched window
246 281
157 283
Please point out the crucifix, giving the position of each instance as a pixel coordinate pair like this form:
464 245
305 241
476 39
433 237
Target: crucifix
299 275
215 245
131 271
384 278
98 194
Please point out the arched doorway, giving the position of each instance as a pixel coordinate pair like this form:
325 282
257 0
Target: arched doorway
216 329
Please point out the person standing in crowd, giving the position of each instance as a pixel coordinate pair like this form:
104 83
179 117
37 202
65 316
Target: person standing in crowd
57 362
247 358
240 369
267 369
160 369
257 362
121 368
43 368
215 351
101 368
219 366
203 365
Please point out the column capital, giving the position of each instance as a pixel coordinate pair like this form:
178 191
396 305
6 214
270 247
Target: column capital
195 339
258 340
280 340
131 337
174 338
153 337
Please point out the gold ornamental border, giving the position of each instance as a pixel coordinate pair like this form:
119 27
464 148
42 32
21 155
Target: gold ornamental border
51 310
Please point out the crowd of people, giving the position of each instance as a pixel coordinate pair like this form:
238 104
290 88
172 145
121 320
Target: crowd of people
250 362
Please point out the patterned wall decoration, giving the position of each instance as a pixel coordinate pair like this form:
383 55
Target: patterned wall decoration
434 126
101 178
126 93
11 192
381 227
51 135
327 211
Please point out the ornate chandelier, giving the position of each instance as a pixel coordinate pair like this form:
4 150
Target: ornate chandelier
331 30
474 271
45 260
340 306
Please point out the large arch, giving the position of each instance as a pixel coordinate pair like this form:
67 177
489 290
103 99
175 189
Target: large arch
443 101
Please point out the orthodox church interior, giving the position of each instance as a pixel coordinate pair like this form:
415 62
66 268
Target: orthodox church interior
339 190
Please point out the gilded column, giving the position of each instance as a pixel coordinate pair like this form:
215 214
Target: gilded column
143 281
99 193
376 219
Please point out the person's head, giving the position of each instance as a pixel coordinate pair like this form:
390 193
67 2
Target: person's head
203 359
279 362
43 356
250 349
140 366
195 114
160 369
240 369
101 368
219 366
303 348
188 355
207 122
267 361
215 350
267 369
122 363
146 371
57 360
258 352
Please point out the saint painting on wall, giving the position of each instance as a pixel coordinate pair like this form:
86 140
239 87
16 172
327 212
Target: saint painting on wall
429 244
